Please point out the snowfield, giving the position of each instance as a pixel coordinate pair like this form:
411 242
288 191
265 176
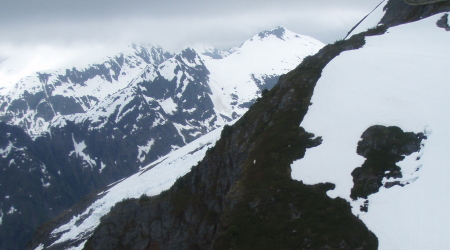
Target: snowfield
399 79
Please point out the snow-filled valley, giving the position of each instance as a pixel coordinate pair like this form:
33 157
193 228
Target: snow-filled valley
397 79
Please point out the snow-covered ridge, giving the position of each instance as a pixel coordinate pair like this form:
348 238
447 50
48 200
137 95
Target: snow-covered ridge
397 79
135 56
36 99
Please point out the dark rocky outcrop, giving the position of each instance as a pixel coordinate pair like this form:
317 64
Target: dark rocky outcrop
398 12
382 147
241 194
278 32
443 22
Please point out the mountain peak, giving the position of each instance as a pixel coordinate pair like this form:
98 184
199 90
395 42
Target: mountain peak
278 31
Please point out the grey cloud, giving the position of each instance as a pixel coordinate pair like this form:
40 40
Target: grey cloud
176 23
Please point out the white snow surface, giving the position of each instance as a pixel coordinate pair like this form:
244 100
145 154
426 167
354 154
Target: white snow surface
151 180
399 79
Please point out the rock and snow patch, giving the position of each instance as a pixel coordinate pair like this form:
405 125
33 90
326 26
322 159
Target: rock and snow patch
79 152
169 106
45 184
4 152
12 210
143 150
397 79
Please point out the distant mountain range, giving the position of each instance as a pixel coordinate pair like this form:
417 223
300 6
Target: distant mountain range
68 132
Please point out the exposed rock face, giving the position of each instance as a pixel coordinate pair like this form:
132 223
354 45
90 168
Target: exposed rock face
278 32
20 164
443 22
398 12
382 147
241 195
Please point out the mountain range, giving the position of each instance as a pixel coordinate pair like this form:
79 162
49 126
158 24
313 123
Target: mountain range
66 133
347 151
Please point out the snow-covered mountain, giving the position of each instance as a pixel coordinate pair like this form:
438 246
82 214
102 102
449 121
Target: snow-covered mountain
88 126
377 104
402 82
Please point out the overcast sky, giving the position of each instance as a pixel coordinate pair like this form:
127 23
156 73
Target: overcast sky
171 23
64 27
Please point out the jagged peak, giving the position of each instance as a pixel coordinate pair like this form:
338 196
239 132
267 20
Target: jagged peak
189 54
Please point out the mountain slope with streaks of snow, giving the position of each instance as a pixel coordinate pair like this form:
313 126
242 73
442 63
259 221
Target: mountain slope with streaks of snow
151 180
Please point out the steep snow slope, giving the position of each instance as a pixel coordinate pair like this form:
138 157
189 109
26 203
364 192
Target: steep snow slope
151 180
397 79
